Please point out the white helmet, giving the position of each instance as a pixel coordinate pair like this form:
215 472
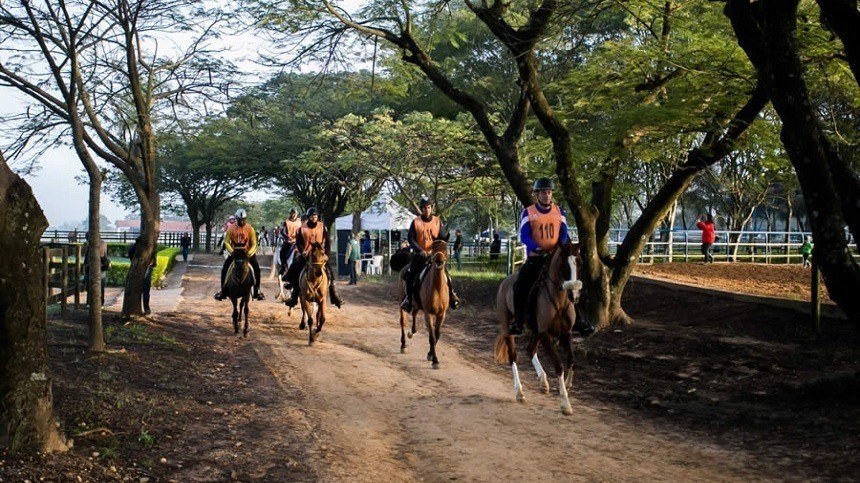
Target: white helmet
241 214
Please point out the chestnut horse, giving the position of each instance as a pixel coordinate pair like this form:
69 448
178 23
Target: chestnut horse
313 288
237 286
432 298
554 294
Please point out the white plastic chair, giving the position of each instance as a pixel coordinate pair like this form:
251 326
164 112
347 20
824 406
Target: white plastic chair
375 265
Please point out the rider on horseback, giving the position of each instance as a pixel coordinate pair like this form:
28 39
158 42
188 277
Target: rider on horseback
423 231
292 225
241 234
542 230
312 231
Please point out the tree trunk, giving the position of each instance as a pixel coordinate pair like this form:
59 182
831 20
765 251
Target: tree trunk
27 420
767 33
94 293
132 304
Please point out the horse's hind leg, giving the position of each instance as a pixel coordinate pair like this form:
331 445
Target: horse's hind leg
543 382
403 332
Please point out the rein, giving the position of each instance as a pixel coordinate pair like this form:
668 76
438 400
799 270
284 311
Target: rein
543 280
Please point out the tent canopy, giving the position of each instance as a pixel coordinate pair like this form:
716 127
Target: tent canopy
383 214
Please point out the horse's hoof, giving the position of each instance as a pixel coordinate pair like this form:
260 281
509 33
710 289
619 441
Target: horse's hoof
521 398
245 335
545 389
435 365
568 411
409 334
403 350
302 326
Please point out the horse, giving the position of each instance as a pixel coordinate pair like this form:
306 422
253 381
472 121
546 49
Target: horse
432 298
313 288
238 285
555 292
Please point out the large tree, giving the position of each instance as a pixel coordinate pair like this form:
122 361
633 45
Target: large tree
95 67
538 41
767 31
27 420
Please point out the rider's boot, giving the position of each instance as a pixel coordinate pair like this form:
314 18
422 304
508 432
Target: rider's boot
584 328
219 295
517 326
294 298
406 305
454 299
337 301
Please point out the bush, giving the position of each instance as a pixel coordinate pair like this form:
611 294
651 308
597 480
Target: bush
164 261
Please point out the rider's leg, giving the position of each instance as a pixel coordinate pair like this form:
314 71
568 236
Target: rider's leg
416 264
293 279
256 266
331 288
220 294
406 304
522 289
452 294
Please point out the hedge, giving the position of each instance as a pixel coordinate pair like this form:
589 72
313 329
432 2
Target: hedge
164 261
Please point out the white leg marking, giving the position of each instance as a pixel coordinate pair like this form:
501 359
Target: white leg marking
541 374
565 401
518 388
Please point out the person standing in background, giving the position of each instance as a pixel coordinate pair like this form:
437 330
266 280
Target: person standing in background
806 251
185 244
458 248
709 235
353 257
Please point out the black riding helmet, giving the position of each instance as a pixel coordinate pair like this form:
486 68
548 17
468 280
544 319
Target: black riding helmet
424 202
311 212
543 184
293 211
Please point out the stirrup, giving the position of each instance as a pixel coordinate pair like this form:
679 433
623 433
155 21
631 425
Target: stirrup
219 296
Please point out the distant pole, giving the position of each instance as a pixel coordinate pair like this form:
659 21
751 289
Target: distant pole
816 300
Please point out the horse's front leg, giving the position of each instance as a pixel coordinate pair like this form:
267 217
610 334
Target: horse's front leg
245 306
559 371
534 344
567 343
320 316
307 308
235 317
431 335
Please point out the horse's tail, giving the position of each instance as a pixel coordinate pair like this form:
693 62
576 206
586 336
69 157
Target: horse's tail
503 348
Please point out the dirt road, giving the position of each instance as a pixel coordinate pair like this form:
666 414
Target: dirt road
374 414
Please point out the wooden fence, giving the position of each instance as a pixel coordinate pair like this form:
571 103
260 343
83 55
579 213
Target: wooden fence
62 269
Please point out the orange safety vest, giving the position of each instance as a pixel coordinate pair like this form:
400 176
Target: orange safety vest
242 236
426 231
312 235
546 227
293 227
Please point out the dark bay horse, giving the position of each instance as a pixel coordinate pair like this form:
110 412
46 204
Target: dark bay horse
555 292
432 298
313 289
237 286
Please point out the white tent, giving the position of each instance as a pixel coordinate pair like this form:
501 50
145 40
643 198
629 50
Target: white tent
383 214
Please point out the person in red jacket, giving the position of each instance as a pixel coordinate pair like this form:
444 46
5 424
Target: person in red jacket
709 235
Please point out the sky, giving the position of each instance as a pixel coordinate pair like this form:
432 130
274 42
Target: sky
62 198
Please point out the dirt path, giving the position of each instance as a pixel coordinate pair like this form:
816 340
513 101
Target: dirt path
374 414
